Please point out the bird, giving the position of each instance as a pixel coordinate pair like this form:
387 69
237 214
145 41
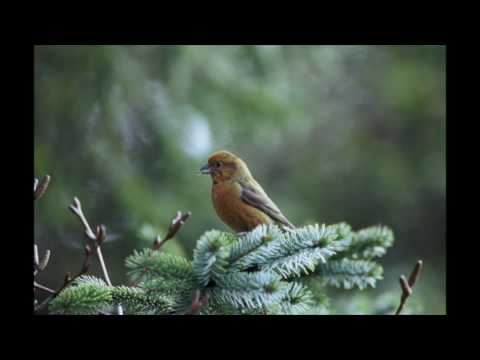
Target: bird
237 197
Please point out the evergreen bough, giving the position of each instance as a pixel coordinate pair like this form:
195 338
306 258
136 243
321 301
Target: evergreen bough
261 272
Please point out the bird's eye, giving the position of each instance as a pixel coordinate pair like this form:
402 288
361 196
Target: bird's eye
218 164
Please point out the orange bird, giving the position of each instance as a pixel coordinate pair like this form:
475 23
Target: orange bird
237 198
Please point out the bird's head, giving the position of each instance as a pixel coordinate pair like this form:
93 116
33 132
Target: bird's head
223 165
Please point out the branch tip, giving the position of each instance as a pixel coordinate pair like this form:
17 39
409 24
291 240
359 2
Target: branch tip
415 273
406 289
40 187
407 286
36 260
175 225
101 234
44 262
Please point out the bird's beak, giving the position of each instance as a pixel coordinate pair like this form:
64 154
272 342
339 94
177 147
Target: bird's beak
205 169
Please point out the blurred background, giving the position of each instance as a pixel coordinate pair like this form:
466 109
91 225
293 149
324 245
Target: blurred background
333 133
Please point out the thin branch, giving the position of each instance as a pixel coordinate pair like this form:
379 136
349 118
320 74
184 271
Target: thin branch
44 261
98 238
39 264
415 273
44 302
76 208
36 260
101 234
69 278
104 267
40 188
175 225
43 287
407 286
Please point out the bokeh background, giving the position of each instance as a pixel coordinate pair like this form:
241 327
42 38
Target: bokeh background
333 133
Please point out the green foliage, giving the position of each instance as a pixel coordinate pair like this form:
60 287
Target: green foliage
368 243
86 296
348 273
162 275
210 255
139 301
260 272
147 264
353 266
249 290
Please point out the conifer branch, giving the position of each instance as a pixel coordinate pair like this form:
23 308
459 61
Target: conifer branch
347 273
87 295
175 225
407 286
259 272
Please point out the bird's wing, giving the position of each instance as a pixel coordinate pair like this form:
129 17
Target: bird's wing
260 200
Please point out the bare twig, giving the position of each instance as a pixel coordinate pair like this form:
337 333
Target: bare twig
76 208
68 279
101 234
407 286
415 273
44 261
36 260
43 287
175 225
40 188
85 266
39 265
98 237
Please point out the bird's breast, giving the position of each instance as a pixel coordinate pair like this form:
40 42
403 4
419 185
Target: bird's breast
226 198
